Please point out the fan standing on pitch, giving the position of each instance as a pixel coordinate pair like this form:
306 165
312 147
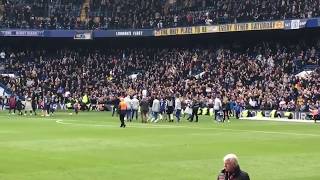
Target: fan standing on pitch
232 169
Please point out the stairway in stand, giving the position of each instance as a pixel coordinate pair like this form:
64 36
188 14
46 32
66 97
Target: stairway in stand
1 10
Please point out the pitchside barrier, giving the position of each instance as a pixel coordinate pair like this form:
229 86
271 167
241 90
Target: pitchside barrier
262 113
276 114
252 113
247 113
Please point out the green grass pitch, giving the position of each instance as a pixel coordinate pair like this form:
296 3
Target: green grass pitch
91 146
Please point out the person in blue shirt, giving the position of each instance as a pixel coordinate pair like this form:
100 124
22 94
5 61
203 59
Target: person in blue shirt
232 105
237 109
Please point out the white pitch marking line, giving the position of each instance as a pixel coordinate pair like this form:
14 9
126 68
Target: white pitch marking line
107 125
277 120
174 126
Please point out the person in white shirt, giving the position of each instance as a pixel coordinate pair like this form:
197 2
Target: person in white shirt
177 107
67 94
170 108
217 105
210 103
128 102
27 105
253 103
282 105
155 109
135 107
2 55
188 109
144 93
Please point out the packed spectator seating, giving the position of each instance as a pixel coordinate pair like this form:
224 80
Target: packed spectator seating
45 14
120 14
259 77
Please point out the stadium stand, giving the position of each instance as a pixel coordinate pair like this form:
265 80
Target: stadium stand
134 14
265 74
259 76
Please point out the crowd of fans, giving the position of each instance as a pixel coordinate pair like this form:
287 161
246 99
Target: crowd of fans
44 14
260 77
117 14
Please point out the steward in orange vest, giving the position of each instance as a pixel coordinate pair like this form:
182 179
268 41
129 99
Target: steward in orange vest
122 112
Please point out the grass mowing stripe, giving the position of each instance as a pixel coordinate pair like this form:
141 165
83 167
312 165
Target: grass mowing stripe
45 150
174 126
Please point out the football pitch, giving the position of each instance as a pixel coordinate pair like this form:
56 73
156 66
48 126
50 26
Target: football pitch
91 146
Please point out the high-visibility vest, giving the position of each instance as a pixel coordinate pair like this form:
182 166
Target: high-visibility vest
211 111
287 114
123 106
273 113
245 113
204 111
199 111
259 114
69 105
85 99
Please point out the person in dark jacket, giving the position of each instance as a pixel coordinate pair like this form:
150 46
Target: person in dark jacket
195 107
144 108
115 103
232 169
19 107
225 108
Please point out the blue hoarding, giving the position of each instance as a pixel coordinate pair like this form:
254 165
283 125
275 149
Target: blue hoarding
22 33
73 33
286 24
301 23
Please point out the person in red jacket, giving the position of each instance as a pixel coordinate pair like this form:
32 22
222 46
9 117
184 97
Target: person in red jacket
314 114
12 104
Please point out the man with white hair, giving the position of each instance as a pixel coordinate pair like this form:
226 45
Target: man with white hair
135 107
232 169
